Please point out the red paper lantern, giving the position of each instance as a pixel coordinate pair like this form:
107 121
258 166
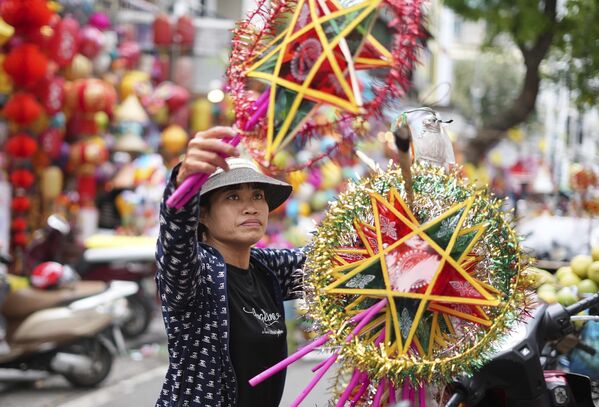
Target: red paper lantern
91 41
86 187
50 91
21 146
163 33
25 15
130 52
51 142
22 108
22 178
63 46
90 96
18 224
19 239
185 31
26 65
20 204
178 98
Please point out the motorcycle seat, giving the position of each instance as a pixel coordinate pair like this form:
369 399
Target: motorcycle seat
24 302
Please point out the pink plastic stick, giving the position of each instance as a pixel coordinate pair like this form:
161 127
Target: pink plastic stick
290 359
321 364
405 391
348 389
380 338
421 396
366 319
392 391
313 382
193 183
379 394
362 390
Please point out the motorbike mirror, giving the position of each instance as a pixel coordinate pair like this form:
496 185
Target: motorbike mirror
59 224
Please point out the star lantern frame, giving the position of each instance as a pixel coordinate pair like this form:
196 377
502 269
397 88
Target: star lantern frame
311 67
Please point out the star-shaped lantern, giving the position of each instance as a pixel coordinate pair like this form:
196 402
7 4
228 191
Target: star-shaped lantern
425 271
314 62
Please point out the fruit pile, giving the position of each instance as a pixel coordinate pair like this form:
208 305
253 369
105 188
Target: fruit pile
569 283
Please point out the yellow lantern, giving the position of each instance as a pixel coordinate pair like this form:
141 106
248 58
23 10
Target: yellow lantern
51 182
296 178
81 67
174 139
5 82
201 115
136 83
331 175
6 31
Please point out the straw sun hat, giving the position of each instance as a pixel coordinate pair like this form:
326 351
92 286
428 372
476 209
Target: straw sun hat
243 171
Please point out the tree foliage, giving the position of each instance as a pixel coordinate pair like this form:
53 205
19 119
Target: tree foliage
565 34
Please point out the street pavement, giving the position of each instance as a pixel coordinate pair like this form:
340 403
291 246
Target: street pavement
136 379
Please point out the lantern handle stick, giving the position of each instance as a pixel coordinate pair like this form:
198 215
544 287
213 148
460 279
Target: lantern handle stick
192 185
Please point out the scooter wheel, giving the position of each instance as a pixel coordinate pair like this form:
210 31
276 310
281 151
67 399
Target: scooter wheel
101 363
141 316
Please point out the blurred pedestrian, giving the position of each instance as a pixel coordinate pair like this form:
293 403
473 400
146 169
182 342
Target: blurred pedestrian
222 299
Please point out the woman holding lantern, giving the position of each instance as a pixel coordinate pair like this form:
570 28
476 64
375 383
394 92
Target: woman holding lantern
223 299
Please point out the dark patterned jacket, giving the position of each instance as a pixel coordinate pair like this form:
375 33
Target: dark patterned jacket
192 283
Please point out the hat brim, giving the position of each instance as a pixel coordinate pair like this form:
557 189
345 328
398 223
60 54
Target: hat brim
275 192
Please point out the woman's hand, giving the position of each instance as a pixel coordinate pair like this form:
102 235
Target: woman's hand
205 152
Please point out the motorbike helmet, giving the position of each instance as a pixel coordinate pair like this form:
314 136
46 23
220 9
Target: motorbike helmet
51 274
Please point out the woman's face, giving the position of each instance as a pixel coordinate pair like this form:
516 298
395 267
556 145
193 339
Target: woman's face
237 216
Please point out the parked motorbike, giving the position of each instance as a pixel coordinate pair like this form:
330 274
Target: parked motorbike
516 376
72 330
111 260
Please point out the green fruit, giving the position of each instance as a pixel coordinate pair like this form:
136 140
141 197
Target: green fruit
547 287
564 269
566 296
587 286
539 276
580 265
593 271
568 279
548 296
595 252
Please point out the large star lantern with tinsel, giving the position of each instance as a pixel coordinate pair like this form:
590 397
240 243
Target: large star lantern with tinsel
315 61
425 271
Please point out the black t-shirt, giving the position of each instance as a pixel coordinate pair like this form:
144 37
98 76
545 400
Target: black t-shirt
257 335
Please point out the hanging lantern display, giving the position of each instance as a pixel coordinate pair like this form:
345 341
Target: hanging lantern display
51 182
50 141
99 20
21 146
130 53
201 115
22 178
163 33
26 65
22 108
90 96
63 45
25 15
174 139
91 41
131 111
20 204
183 71
184 32
135 82
6 32
91 152
50 92
80 68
